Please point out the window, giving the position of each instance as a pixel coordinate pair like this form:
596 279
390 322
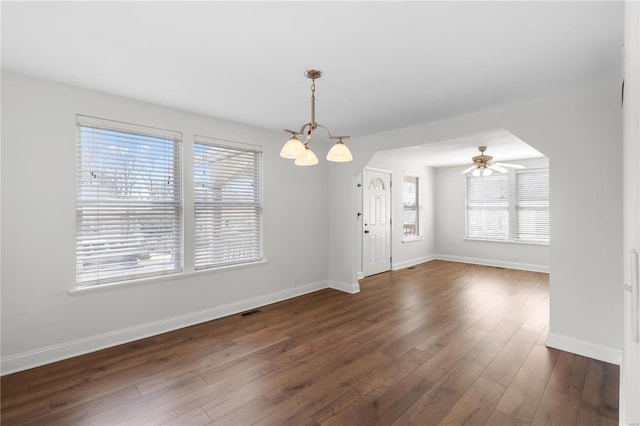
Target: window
128 211
410 206
129 214
227 203
376 184
509 207
532 205
488 207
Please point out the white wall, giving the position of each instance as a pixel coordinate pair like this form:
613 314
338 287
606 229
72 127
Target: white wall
41 321
408 253
450 229
575 131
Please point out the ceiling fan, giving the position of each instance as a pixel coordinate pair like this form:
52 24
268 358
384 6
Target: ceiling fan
484 166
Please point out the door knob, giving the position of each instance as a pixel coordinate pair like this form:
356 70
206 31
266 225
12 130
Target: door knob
366 231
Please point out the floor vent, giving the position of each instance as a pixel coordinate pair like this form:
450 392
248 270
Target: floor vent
411 267
246 314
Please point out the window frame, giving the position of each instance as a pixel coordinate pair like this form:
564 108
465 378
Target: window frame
256 204
496 204
512 216
417 208
97 201
187 214
539 204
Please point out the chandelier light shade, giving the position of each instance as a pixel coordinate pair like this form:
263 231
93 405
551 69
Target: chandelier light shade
294 148
307 158
339 153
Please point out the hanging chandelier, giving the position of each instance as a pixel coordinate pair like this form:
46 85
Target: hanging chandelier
294 148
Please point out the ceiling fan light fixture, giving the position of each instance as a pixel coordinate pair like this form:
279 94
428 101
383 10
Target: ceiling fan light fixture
483 165
339 153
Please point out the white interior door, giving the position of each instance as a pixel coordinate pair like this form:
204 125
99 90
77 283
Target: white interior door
376 205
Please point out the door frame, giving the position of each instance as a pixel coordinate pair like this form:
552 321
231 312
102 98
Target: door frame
362 253
630 368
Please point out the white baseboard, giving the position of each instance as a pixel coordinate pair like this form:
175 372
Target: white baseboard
47 355
412 262
493 262
588 349
346 287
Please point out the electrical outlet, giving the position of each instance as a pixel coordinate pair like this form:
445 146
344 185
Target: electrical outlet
516 259
296 282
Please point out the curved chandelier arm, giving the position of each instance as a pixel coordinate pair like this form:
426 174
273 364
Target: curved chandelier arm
307 128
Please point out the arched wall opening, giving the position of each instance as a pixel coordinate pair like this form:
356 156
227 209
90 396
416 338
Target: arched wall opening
440 213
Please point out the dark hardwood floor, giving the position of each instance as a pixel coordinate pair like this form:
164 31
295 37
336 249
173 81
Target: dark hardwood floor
440 343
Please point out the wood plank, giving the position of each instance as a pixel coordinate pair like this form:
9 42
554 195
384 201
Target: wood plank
476 405
521 398
539 318
437 366
498 418
195 417
569 374
329 391
145 403
556 408
247 413
486 350
507 363
441 397
600 394
383 405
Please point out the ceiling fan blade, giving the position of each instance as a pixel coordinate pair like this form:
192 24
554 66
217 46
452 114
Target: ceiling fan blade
468 170
497 168
513 166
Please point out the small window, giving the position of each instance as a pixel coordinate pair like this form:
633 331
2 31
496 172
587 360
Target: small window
228 209
411 207
376 184
532 205
488 207
128 209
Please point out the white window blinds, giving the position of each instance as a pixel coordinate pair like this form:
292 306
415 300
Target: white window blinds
532 205
228 206
128 211
410 206
488 207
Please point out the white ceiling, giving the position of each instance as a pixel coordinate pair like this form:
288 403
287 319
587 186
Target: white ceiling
386 65
501 145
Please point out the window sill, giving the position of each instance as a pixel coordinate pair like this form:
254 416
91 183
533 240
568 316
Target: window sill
412 239
488 240
79 291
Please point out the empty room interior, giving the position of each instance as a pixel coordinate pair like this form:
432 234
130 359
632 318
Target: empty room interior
336 213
